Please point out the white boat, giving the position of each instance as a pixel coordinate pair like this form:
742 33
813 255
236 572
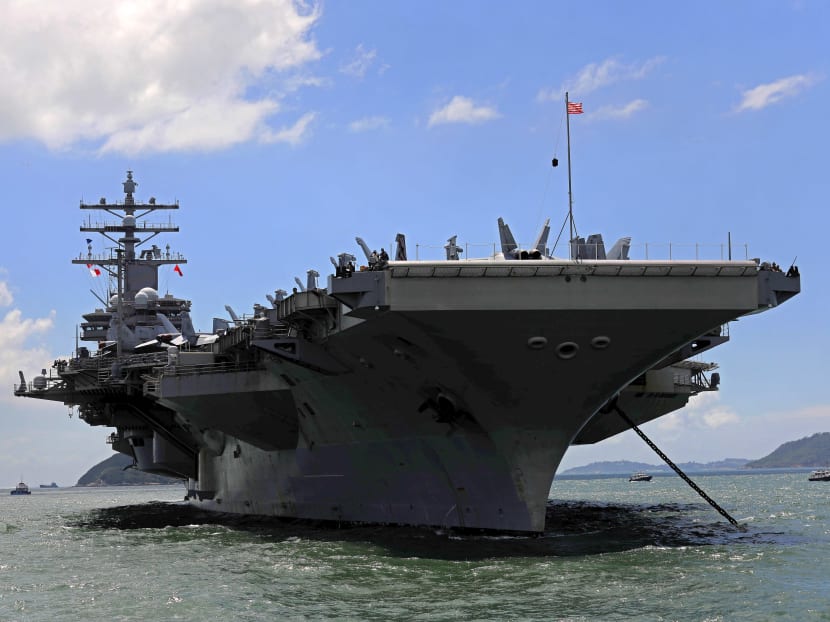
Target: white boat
639 476
821 475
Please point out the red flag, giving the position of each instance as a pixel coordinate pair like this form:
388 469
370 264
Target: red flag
177 269
93 270
575 108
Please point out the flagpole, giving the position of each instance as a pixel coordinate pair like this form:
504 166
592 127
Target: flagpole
570 192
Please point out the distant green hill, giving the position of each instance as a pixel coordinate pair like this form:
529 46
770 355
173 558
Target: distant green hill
810 451
114 472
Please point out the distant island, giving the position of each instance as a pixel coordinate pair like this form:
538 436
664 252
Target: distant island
626 467
808 452
116 471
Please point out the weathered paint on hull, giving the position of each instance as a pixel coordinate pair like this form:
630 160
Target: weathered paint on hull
454 481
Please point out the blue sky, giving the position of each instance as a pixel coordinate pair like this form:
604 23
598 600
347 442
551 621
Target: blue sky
286 130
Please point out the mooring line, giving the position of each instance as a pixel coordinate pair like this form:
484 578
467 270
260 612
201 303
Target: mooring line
676 468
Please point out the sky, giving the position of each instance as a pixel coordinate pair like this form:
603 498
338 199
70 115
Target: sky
284 130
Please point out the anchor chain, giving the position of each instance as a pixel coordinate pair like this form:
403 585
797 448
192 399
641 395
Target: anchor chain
674 467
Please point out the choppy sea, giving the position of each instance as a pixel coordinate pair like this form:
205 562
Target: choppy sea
611 550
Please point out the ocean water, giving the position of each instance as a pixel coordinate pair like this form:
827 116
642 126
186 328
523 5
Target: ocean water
611 550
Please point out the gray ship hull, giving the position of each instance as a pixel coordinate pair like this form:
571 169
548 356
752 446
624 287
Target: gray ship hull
447 416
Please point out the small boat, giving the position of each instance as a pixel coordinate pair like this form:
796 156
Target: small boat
640 477
52 485
822 475
21 489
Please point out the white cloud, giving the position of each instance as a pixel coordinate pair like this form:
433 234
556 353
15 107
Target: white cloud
295 83
368 123
595 76
293 135
462 110
205 126
152 75
14 330
765 95
15 352
619 112
703 412
360 64
6 298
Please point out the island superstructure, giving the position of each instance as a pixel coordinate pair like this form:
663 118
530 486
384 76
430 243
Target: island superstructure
405 391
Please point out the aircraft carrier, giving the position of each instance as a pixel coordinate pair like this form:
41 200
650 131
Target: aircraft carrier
415 392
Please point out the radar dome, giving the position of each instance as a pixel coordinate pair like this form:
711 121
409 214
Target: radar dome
114 300
141 300
129 221
152 295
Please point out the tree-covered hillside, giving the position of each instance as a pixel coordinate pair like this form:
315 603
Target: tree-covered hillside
811 451
114 472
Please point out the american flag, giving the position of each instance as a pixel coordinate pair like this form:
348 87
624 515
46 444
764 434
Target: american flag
575 108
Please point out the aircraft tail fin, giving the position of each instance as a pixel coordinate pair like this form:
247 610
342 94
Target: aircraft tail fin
542 239
620 249
508 242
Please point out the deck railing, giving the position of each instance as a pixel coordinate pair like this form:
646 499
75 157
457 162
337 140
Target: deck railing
644 250
210 368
